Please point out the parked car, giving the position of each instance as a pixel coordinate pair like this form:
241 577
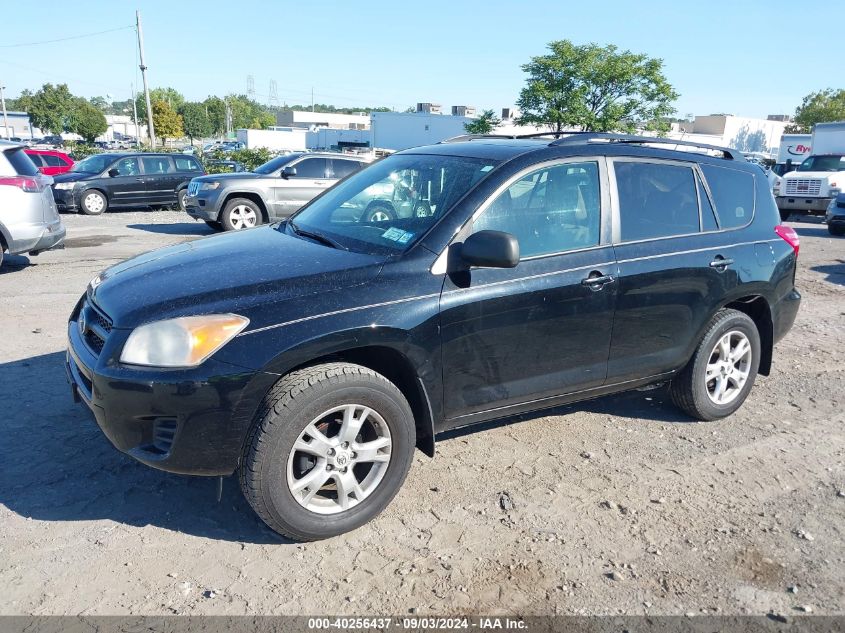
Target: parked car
328 346
835 215
109 180
226 166
271 192
50 162
29 222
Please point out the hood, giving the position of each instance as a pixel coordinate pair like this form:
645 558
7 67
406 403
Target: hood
234 272
73 176
824 175
239 175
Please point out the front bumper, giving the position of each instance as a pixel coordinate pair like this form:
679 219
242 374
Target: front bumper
65 199
187 421
203 206
796 203
36 237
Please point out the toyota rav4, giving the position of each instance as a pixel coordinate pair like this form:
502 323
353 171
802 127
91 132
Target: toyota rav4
538 272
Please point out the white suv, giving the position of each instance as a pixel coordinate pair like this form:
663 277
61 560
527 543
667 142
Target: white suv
29 221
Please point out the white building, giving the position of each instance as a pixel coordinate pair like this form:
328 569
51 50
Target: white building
18 125
333 139
122 125
743 133
401 130
303 119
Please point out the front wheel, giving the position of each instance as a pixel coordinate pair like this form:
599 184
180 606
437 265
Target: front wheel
331 448
94 203
718 378
180 196
239 214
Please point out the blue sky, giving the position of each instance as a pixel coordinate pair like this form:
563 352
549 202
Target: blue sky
745 57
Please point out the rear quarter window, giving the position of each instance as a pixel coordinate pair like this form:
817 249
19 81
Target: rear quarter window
20 163
186 164
733 195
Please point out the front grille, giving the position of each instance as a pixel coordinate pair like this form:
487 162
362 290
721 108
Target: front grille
803 186
193 188
94 326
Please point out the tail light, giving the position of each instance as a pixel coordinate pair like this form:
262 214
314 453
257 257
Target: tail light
788 234
27 183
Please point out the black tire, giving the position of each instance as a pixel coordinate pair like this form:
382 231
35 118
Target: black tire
689 388
180 198
234 212
93 202
784 215
836 230
379 212
292 404
214 225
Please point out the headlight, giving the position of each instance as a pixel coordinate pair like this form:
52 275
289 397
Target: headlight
64 185
207 186
182 342
834 191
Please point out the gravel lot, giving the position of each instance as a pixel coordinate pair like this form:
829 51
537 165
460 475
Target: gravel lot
619 505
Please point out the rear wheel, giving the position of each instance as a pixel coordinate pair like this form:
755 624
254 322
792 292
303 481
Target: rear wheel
94 203
784 215
720 374
379 212
329 450
239 214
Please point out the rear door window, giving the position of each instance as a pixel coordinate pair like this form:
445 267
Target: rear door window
733 194
186 164
53 161
157 165
655 200
343 168
37 160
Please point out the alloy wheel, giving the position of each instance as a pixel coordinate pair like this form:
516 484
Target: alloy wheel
728 368
243 217
339 459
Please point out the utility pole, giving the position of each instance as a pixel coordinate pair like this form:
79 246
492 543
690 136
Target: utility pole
5 116
150 126
135 118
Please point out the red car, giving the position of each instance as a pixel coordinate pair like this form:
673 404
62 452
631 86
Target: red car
50 162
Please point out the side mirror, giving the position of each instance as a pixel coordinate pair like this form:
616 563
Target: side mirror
491 249
288 171
113 173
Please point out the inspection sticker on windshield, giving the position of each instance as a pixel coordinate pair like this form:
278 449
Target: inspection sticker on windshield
397 235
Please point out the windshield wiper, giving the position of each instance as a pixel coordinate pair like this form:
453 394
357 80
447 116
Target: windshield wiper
317 236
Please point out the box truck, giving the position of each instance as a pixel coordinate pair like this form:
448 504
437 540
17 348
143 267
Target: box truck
819 178
794 148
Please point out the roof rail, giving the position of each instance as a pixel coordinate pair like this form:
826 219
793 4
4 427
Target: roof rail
474 137
588 137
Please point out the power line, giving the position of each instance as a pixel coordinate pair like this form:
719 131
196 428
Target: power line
65 39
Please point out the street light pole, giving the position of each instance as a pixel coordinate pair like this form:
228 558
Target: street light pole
150 126
135 118
5 116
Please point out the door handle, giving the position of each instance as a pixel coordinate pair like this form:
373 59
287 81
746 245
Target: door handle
720 263
597 281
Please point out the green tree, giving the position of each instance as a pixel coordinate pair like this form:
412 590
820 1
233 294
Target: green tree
87 120
195 120
51 108
216 111
101 104
246 113
595 88
23 103
818 107
168 123
484 124
171 96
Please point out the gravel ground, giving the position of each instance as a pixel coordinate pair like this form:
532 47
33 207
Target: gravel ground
619 505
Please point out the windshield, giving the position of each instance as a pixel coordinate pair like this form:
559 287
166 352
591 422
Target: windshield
823 163
93 164
275 164
388 206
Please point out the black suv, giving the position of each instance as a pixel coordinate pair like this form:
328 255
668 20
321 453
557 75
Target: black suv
540 272
109 180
